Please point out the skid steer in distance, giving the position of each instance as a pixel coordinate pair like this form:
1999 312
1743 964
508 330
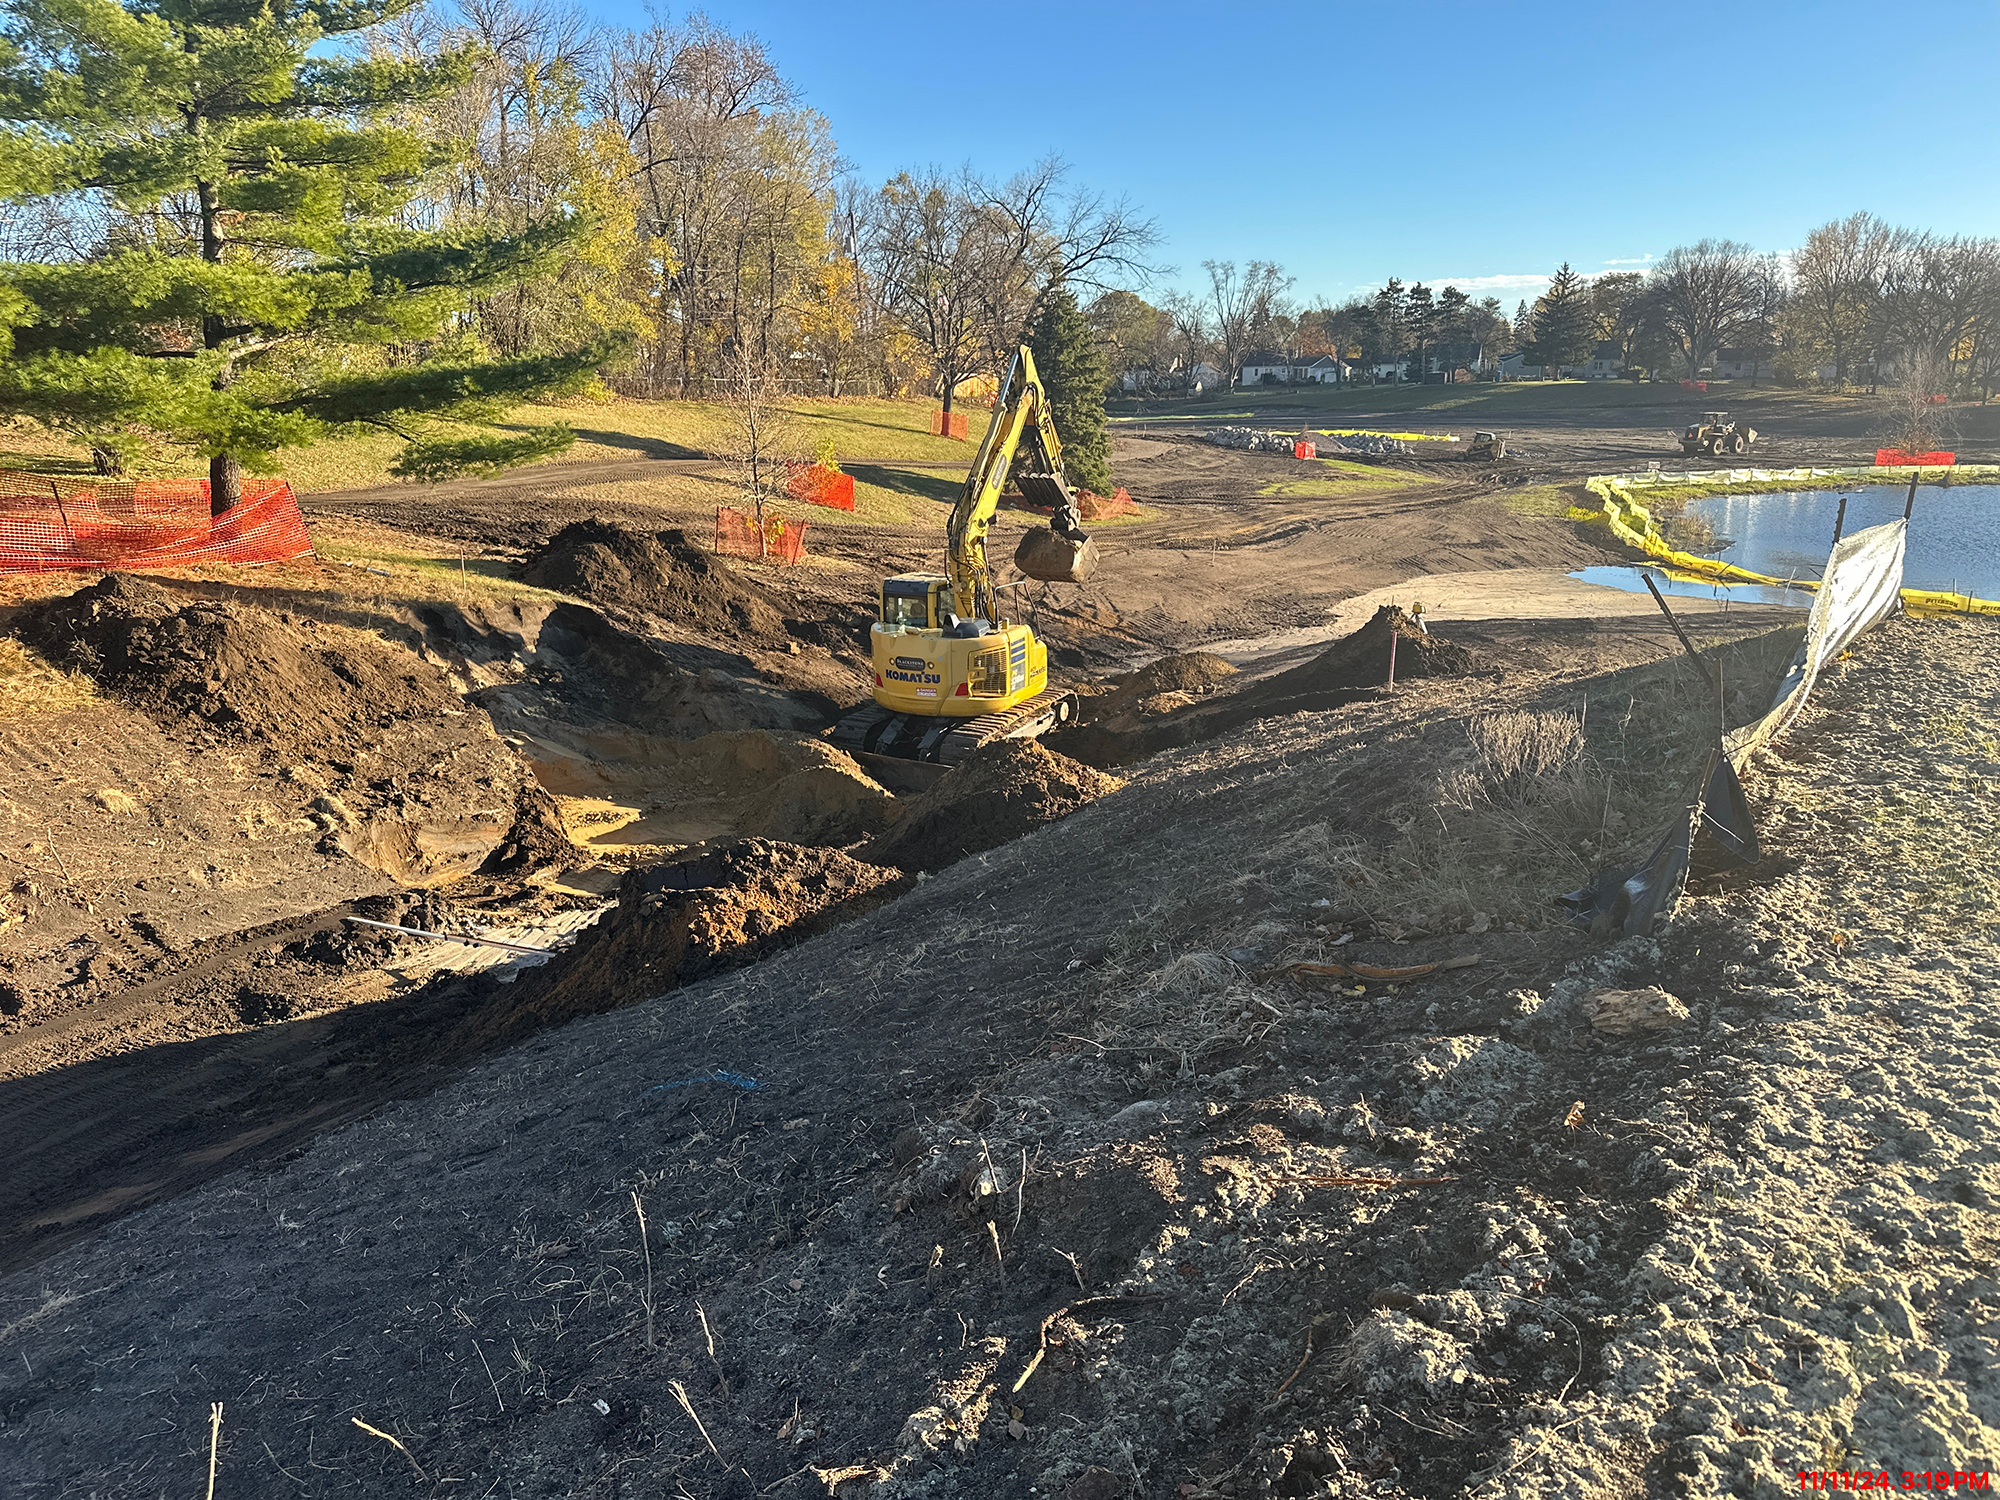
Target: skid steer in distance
951 672
1716 435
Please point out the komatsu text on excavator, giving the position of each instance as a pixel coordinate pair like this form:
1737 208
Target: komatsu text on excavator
951 671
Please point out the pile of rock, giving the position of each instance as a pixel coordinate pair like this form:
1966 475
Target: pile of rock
1364 442
1251 438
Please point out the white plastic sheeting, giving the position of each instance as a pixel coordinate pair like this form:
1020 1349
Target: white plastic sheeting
1862 588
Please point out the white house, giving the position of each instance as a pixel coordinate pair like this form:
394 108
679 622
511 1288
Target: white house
1205 377
1607 363
1266 367
1515 366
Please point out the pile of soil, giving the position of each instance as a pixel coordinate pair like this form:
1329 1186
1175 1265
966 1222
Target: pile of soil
679 921
1169 683
661 573
1003 791
1361 660
537 839
400 776
1124 729
236 667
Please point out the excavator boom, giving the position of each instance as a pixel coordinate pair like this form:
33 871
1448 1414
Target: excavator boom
1021 425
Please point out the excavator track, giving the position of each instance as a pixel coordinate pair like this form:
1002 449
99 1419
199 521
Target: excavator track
946 742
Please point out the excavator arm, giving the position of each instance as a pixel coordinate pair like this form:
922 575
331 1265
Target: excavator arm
1020 417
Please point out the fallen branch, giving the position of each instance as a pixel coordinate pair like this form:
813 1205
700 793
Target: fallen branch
214 1443
1042 1345
1312 1333
393 1442
681 1395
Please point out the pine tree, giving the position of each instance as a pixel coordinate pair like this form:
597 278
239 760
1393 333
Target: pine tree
253 290
1073 376
1565 325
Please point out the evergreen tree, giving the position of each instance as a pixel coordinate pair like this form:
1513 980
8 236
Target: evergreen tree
252 289
1073 377
1565 325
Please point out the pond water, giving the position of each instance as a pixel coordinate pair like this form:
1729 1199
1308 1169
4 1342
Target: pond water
1954 541
1633 581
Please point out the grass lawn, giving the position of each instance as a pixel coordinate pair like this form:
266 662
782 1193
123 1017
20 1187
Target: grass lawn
1338 477
1477 405
861 429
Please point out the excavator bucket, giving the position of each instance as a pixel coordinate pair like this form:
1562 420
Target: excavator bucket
1056 559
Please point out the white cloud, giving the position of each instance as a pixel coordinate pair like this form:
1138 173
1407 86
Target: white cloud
1636 260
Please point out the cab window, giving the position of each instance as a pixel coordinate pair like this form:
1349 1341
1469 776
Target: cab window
912 610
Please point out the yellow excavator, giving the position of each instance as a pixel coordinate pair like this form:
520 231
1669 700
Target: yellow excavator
951 672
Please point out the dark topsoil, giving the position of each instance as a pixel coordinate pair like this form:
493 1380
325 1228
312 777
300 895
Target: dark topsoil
412 783
1353 668
680 921
237 667
829 1147
659 573
997 794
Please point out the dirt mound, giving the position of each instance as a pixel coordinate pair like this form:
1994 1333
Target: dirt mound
1189 672
1124 728
679 921
1171 682
537 838
660 572
279 678
399 775
1003 791
1361 660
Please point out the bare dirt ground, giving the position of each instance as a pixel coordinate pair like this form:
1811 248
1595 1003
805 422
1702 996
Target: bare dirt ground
973 1160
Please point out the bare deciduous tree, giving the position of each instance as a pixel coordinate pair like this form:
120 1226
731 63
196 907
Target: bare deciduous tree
1241 305
1704 293
1936 293
762 436
1837 277
965 262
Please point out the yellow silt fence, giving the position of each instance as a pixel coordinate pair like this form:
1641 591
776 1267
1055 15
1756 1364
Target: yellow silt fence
1633 524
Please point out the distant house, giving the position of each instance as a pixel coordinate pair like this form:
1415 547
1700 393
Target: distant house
1607 363
1515 366
1266 367
1205 377
1451 362
1741 364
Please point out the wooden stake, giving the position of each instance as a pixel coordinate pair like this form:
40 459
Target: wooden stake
214 1443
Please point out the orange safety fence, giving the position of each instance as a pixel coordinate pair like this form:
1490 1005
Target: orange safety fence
48 525
784 541
949 425
1305 450
819 484
1090 505
1896 458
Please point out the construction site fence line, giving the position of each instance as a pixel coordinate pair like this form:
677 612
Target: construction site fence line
1633 524
783 541
53 524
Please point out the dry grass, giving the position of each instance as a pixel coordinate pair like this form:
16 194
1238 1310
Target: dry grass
31 688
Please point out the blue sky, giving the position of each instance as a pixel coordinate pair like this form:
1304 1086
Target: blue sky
1481 143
